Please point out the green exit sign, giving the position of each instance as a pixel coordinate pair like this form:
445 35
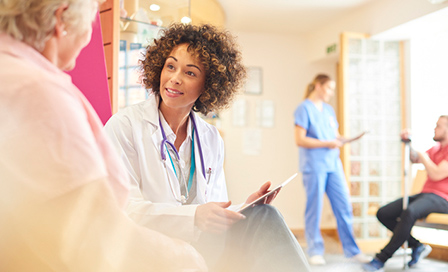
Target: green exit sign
331 48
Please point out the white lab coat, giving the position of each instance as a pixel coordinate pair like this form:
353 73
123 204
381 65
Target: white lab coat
153 201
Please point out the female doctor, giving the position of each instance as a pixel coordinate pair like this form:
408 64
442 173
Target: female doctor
175 159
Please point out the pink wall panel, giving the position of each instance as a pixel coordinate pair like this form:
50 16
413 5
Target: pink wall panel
90 74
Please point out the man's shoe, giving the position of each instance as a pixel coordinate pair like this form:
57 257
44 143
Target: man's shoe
317 260
419 253
374 266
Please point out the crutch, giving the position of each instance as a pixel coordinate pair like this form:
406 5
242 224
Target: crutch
407 176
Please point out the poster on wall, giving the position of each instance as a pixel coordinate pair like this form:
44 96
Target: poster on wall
265 113
254 84
239 113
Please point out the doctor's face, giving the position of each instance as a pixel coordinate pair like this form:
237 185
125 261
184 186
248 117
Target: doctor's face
182 80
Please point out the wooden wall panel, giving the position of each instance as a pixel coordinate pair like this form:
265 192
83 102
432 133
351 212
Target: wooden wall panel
108 51
108 32
110 25
107 5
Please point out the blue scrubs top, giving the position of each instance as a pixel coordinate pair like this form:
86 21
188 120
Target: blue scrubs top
320 125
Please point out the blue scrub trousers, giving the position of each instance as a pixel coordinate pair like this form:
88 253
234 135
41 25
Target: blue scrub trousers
334 184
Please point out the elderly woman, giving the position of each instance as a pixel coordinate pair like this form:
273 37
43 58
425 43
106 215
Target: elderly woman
62 190
175 159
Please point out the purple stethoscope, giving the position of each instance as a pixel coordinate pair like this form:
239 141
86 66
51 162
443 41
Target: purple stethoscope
163 154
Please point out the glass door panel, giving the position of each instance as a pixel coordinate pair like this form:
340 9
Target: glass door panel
370 99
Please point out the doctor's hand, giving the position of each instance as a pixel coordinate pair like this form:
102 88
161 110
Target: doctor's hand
215 218
263 190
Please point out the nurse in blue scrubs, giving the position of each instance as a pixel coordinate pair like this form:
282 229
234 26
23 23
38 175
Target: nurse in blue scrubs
316 134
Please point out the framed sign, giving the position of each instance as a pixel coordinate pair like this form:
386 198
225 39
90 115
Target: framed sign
254 83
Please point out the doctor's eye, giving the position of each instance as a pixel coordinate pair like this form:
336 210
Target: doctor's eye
190 73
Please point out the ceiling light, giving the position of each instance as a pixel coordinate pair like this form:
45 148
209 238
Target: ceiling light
154 7
436 1
185 20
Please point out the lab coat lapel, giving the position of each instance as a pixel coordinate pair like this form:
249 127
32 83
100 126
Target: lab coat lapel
201 180
151 115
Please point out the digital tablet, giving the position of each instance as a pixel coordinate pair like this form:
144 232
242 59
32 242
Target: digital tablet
349 140
261 198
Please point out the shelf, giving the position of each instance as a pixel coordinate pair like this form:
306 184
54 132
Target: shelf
130 20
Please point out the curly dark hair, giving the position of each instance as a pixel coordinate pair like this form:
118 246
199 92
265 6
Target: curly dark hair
218 53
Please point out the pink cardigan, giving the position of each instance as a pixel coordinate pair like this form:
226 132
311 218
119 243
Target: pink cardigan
51 139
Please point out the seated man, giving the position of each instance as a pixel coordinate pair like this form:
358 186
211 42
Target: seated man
432 199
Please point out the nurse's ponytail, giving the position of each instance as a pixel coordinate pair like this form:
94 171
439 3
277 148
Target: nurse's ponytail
320 78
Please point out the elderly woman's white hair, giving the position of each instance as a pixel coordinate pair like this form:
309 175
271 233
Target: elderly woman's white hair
33 21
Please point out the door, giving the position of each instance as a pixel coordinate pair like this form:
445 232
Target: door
370 95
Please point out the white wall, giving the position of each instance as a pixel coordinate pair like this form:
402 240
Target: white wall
429 88
373 18
289 62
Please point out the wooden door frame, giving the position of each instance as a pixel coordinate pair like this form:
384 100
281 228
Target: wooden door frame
342 78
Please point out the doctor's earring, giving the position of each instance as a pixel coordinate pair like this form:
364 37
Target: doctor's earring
64 33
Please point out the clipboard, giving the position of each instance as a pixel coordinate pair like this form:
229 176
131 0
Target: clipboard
357 137
276 189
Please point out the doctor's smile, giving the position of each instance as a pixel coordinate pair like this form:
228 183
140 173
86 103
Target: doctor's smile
173 93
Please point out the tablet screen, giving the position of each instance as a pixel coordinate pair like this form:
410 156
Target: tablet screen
262 198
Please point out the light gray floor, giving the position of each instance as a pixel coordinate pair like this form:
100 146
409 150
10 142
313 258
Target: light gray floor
338 263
